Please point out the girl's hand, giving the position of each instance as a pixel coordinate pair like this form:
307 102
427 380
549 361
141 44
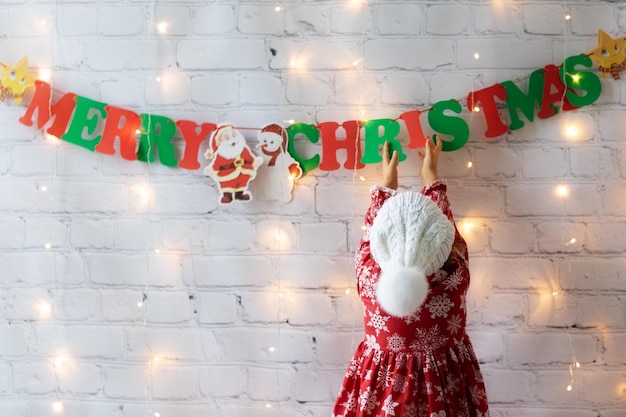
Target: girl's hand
430 160
390 168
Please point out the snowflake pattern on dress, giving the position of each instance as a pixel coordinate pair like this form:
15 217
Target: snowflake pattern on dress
417 366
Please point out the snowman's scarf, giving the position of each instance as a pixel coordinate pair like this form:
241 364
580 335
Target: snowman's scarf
274 156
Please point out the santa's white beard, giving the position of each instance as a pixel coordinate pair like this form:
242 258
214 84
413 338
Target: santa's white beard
230 150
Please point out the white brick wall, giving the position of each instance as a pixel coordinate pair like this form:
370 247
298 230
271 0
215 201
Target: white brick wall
178 306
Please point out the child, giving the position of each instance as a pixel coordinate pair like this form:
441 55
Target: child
412 275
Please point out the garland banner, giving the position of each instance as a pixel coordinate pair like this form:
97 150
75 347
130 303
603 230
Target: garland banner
76 119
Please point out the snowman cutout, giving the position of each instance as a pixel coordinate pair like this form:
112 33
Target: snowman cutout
279 170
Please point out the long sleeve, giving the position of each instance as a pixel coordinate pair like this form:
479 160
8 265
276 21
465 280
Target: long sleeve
378 196
437 191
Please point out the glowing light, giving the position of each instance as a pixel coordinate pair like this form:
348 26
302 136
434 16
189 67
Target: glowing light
361 177
476 109
357 62
476 55
162 27
555 293
277 9
272 349
347 291
57 407
45 74
138 132
570 387
43 188
363 227
140 304
52 139
48 245
576 78
290 121
470 164
577 364
568 17
268 405
155 359
60 361
570 131
157 250
157 414
45 309
142 194
562 191
158 79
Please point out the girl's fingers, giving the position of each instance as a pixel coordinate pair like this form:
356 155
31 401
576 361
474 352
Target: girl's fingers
386 153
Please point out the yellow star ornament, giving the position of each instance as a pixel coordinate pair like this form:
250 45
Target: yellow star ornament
609 54
14 80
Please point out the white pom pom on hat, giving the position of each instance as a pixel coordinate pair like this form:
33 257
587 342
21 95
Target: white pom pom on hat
410 239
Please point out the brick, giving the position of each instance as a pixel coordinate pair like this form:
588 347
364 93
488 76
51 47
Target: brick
223 381
267 306
386 54
605 238
307 19
312 385
336 349
614 352
172 21
504 386
489 345
227 271
498 19
608 387
411 89
92 233
33 378
541 200
230 236
34 22
17 409
502 53
323 237
120 21
551 387
174 383
258 387
31 159
560 237
595 273
447 19
39 232
123 92
329 198
220 54
168 345
359 90
614 198
116 55
12 231
315 271
263 20
310 309
121 305
601 312
258 89
513 273
608 125
544 19
213 90
183 234
548 310
502 309
84 342
254 345
136 233
80 379
168 88
513 237
4 23
394 19
592 163
13 341
77 305
348 307
77 21
543 163
213 19
550 348
308 90
169 307
496 163
350 18
276 236
476 201
125 382
587 19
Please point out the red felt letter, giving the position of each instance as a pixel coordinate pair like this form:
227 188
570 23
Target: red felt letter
62 110
126 132
552 78
193 139
417 139
330 145
487 99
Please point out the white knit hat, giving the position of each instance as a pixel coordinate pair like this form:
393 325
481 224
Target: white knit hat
410 239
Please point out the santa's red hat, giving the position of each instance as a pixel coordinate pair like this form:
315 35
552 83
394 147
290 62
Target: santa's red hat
272 130
217 133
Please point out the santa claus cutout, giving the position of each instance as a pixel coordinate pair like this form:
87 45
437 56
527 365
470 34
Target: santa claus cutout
279 170
232 165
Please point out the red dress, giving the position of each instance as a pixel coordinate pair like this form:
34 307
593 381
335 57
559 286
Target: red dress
422 365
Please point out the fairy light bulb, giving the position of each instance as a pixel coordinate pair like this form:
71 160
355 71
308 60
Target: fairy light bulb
476 55
271 349
476 109
576 78
570 387
268 405
568 16
45 74
45 309
347 291
361 177
562 191
555 293
48 245
357 62
277 9
43 188
57 407
155 360
470 164
162 27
